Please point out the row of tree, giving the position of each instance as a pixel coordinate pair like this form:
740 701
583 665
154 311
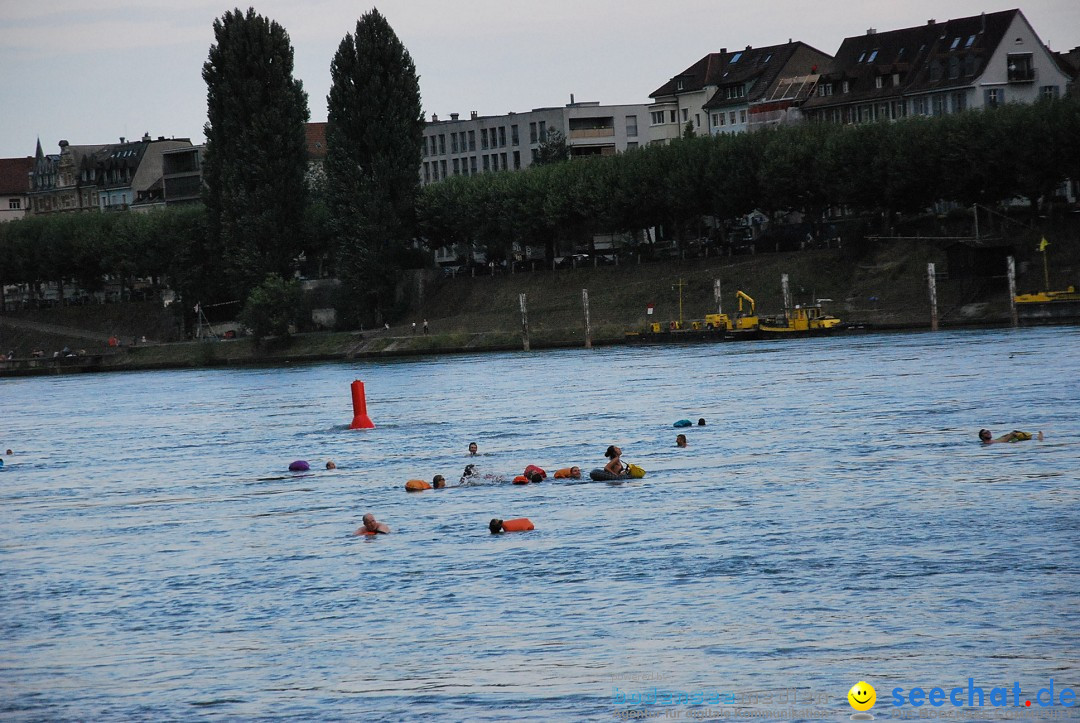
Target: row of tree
877 169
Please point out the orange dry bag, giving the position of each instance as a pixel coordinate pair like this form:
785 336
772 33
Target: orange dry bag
521 524
416 485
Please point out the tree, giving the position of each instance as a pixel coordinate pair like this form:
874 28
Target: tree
272 306
553 149
688 130
374 132
256 156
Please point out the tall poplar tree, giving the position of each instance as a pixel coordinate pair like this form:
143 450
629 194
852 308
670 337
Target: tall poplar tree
374 130
256 156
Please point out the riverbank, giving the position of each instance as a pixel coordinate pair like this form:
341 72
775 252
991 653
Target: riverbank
886 290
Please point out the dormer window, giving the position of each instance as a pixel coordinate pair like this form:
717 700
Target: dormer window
735 58
955 43
970 40
678 85
861 56
872 56
896 79
879 81
847 86
767 58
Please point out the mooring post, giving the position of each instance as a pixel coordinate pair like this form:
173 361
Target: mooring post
931 280
524 323
787 291
1011 264
717 296
588 328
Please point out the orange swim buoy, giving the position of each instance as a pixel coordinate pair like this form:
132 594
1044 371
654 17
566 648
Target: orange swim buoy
563 473
521 480
521 524
533 468
416 485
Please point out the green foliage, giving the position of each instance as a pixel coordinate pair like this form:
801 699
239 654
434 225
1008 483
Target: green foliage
553 149
256 158
272 307
373 136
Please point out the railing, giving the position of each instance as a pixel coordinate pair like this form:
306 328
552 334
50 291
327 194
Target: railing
592 133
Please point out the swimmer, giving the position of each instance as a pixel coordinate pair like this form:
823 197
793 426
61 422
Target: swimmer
9 453
1014 436
614 465
330 464
568 473
438 482
372 526
472 449
521 524
701 422
680 441
472 476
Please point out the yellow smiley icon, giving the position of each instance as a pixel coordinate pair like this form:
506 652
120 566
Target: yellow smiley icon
862 696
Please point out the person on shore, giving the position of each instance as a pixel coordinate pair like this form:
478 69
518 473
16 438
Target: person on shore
372 526
1014 436
425 326
567 473
520 524
472 449
614 465
680 441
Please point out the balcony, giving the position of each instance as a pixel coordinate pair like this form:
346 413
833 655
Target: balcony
1021 69
581 133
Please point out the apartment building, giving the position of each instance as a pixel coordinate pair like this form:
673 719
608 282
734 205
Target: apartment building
511 142
14 187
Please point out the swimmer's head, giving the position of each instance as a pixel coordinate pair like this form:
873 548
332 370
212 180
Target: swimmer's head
575 472
612 452
330 464
984 435
438 481
470 470
495 526
535 477
472 447
701 422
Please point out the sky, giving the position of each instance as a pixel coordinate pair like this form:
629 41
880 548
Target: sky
90 73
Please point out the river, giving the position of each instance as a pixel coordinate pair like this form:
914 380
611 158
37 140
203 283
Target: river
836 520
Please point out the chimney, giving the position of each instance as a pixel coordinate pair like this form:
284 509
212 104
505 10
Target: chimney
434 118
472 114
146 136
453 116
571 99
930 21
749 47
723 51
983 18
121 139
63 144
871 31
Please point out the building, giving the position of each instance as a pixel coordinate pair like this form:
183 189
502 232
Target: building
14 187
981 61
484 144
715 94
112 177
181 175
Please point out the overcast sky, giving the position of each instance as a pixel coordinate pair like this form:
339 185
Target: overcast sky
92 72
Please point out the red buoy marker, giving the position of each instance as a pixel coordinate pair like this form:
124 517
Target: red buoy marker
360 419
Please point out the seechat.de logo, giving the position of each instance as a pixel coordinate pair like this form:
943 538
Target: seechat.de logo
862 697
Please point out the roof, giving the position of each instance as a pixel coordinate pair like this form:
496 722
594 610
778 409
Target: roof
920 55
15 175
738 67
315 140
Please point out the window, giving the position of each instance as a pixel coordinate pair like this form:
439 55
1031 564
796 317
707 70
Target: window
921 106
543 132
535 154
872 56
731 118
954 68
716 119
1020 67
434 170
879 82
895 79
514 140
472 165
483 139
674 118
678 84
685 114
969 65
532 133
442 145
994 97
938 104
472 140
494 161
767 58
14 204
955 43
631 145
697 120
502 136
487 162
861 56
847 86
825 89
970 40
503 158
959 102
457 168
631 126
656 117
742 116
517 160
1048 92
735 58
453 142
442 168
935 70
